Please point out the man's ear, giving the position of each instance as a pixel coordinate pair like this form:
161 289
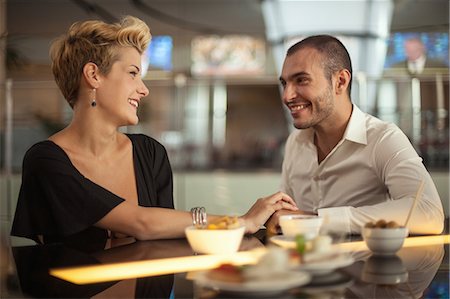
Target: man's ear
342 81
91 74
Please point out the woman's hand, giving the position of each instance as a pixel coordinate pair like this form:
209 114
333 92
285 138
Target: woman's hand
264 207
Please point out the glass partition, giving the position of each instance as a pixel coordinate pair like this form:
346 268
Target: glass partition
225 125
209 124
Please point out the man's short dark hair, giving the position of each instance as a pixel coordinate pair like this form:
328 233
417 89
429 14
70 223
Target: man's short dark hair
335 55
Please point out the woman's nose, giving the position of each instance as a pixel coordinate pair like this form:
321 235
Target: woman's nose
143 90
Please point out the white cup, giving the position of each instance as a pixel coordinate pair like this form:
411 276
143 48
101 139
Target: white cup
307 225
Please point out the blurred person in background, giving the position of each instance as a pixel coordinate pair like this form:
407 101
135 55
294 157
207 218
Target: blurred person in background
341 163
89 181
429 72
417 62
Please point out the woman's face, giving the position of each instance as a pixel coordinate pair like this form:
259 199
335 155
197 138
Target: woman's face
122 89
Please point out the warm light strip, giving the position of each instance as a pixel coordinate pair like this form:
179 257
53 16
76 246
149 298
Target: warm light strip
409 242
119 271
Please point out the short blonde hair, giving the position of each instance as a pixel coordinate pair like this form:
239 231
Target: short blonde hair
93 41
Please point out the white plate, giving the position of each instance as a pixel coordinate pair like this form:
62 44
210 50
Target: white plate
318 268
274 284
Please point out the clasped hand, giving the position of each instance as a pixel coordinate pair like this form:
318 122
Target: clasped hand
265 208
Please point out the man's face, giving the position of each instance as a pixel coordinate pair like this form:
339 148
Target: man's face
414 49
307 93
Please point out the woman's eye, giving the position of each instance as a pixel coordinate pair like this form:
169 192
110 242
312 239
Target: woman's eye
134 74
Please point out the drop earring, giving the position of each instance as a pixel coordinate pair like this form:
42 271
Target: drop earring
93 102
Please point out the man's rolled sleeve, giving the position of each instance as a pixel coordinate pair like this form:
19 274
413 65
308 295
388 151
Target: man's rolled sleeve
336 219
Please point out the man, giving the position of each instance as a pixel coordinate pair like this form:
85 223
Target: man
417 62
342 164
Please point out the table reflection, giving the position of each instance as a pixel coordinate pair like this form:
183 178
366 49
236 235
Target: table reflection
411 272
34 262
421 263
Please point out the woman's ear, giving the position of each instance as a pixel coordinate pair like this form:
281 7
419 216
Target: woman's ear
91 74
342 81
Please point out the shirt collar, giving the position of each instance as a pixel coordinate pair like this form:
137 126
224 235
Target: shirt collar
417 65
356 129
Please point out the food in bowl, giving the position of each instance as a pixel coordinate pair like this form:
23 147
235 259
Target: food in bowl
306 225
225 222
382 224
384 237
218 239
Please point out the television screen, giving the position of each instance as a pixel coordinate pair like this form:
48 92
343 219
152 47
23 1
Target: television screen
227 55
159 53
436 45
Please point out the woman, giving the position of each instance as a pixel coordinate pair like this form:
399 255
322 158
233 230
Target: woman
90 179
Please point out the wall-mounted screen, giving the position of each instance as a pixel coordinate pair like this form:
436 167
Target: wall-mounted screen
159 53
227 55
435 43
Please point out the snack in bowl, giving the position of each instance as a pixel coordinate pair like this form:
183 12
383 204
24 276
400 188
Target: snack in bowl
382 224
225 222
223 236
384 237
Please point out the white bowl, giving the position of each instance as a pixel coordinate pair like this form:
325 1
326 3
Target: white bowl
214 241
384 241
307 225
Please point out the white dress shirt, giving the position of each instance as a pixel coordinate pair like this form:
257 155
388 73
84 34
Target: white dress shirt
417 66
372 173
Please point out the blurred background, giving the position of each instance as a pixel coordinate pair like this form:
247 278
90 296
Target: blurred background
212 70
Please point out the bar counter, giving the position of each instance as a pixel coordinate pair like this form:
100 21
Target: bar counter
168 269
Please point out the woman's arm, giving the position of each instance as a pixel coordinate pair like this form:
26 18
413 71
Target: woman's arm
150 223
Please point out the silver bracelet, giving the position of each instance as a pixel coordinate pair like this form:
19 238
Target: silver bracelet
199 218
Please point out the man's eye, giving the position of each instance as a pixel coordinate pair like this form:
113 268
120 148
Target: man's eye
303 80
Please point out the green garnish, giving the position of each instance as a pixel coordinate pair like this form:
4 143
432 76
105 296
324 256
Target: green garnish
300 243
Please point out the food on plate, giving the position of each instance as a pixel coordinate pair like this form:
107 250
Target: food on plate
227 272
274 261
321 244
314 250
225 222
382 224
300 243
